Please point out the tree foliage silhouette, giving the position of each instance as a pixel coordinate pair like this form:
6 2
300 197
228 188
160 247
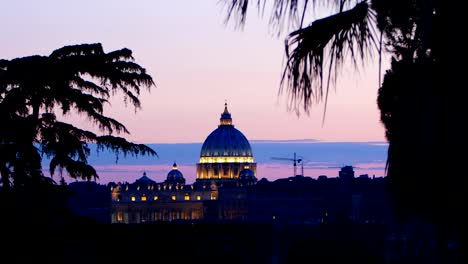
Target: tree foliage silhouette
419 99
76 79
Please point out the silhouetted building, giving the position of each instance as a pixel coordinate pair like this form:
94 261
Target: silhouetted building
346 173
292 200
90 200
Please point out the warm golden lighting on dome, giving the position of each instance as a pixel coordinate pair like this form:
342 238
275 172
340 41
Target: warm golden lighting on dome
226 122
226 159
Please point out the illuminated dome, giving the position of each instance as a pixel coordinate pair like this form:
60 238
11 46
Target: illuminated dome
175 176
225 152
226 143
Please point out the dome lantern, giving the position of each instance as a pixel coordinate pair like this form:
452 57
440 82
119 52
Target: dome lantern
225 119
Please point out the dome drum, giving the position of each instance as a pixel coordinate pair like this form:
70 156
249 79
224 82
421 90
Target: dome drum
222 170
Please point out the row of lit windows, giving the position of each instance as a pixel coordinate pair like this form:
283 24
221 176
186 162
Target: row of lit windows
165 215
164 187
162 215
226 159
173 197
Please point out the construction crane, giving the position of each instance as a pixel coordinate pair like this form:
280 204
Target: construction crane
294 160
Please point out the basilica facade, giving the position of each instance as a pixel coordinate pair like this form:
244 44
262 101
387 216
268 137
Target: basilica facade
225 171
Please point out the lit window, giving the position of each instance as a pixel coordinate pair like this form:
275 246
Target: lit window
186 197
119 216
133 198
213 196
155 197
198 197
173 197
143 198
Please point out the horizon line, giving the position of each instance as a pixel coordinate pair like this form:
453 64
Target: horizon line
280 141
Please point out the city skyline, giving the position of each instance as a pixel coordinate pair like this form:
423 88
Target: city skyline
319 158
197 63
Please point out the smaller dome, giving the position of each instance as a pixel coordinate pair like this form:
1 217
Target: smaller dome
144 179
175 176
246 174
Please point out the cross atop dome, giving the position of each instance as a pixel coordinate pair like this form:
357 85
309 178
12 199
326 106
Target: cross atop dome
225 116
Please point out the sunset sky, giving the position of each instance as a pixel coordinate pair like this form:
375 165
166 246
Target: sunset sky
197 62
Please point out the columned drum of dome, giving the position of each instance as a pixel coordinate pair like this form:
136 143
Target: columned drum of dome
225 153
